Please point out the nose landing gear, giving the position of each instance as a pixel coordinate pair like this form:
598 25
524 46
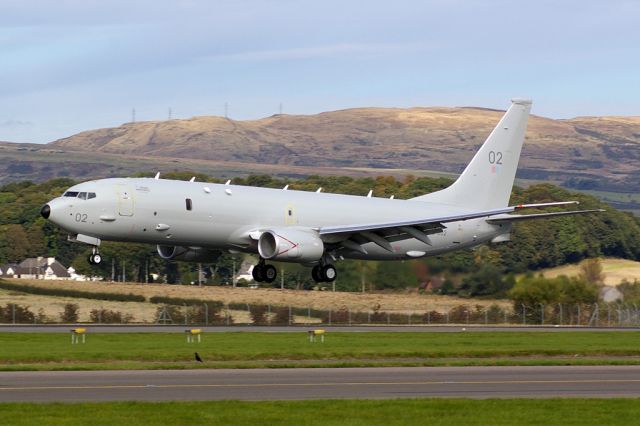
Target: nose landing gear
94 257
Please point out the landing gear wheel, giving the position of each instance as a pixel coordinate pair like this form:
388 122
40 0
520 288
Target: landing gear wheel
97 259
329 273
270 273
90 259
258 273
316 274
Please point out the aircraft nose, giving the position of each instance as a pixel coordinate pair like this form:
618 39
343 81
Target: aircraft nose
46 211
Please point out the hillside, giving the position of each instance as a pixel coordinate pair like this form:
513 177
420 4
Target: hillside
584 153
614 271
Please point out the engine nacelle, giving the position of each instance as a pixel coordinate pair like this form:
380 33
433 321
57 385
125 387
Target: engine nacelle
290 244
188 254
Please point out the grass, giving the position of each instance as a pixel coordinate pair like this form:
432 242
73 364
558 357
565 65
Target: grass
48 351
334 412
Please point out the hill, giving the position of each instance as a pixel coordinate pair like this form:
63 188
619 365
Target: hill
583 153
614 271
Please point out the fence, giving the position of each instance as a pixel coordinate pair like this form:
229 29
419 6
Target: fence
215 313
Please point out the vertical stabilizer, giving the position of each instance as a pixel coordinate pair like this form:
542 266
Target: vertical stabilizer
487 181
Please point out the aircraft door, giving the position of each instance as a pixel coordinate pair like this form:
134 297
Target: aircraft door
290 217
125 200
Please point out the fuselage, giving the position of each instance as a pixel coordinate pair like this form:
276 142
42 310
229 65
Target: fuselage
215 216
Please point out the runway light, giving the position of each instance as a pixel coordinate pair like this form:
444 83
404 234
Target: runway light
76 333
315 333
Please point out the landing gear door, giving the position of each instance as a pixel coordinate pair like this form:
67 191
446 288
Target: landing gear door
125 200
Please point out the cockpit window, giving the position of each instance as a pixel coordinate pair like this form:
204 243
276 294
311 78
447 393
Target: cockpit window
81 195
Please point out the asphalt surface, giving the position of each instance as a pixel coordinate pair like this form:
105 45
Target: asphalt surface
340 383
93 328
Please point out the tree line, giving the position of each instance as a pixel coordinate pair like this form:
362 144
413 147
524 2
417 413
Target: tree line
486 271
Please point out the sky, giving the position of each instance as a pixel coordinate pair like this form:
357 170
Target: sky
73 65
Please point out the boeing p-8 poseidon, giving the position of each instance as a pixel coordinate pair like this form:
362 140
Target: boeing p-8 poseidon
197 221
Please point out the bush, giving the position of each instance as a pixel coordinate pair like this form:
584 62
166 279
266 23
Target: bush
281 316
70 313
433 317
195 315
46 291
165 300
17 314
107 316
259 314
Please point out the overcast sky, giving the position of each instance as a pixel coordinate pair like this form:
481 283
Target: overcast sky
73 65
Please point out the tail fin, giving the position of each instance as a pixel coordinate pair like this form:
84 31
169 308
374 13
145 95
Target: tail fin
487 181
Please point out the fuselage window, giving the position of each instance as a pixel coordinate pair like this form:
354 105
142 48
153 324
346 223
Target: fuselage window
82 195
189 205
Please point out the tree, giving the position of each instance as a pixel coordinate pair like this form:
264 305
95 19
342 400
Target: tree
591 271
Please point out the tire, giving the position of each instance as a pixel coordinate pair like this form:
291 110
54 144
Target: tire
270 273
258 273
329 272
316 274
90 259
97 259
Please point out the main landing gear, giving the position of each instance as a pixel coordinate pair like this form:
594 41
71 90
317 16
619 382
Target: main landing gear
324 273
94 257
264 273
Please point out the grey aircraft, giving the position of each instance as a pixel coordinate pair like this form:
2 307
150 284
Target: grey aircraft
197 221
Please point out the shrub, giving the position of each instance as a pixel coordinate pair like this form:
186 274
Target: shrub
46 291
281 316
259 314
17 314
107 316
70 313
165 300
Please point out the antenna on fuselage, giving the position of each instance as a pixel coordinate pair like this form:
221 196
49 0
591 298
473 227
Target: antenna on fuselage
193 179
228 182
370 193
392 197
157 176
319 190
285 187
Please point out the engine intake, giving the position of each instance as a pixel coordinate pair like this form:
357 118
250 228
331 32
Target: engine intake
299 245
188 254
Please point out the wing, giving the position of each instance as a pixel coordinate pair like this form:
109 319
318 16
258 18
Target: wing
383 233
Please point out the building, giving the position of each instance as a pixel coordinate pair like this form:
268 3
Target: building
11 270
42 268
46 268
610 294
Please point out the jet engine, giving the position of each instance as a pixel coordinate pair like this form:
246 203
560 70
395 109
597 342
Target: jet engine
287 244
188 254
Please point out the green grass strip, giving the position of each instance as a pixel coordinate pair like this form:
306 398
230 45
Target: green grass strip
578 412
26 351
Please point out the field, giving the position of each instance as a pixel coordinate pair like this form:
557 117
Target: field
577 412
614 270
323 300
103 351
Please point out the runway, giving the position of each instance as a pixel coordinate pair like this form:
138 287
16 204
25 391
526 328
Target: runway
96 328
324 383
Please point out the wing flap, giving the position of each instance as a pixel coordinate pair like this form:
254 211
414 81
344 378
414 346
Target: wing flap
519 217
